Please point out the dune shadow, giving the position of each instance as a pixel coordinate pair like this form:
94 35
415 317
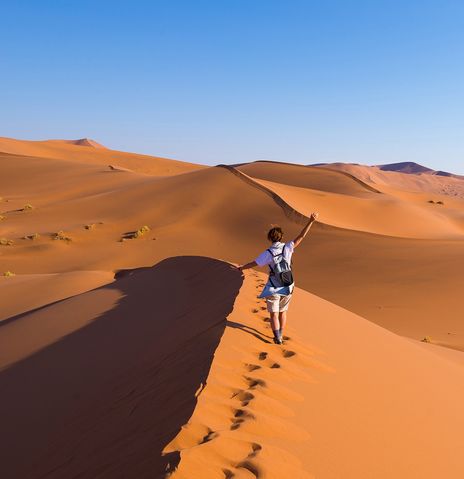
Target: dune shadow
105 400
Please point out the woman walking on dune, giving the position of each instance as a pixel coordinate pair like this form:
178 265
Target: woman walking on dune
279 287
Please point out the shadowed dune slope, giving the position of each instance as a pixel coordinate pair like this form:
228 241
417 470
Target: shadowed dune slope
96 155
113 374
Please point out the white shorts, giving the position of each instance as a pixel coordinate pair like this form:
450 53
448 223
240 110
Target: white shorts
277 303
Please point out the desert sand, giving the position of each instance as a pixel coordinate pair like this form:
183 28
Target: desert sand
130 345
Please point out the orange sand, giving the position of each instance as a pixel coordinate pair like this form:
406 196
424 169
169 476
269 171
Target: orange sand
171 366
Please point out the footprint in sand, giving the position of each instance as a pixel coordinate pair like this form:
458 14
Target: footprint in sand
228 474
263 356
209 437
253 383
287 353
245 397
240 416
248 464
252 367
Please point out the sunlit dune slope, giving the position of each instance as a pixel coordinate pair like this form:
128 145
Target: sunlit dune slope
26 292
342 398
443 187
88 151
308 177
403 284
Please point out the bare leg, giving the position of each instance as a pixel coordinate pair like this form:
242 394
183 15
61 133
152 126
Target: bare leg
275 324
282 319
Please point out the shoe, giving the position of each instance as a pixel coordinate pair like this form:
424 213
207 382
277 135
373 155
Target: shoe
278 340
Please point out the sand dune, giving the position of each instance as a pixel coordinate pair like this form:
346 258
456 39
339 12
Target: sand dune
334 402
439 187
133 390
402 284
71 150
104 365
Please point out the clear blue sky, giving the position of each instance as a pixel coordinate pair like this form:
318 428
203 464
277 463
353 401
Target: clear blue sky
226 81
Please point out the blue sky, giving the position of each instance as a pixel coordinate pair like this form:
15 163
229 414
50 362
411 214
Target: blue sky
229 81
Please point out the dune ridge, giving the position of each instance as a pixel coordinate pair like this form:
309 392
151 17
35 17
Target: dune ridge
271 412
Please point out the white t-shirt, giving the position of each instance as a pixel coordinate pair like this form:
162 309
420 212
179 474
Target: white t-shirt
266 257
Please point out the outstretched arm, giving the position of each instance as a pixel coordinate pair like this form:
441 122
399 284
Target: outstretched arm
305 230
248 265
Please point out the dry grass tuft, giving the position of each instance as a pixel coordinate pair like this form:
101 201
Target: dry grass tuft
8 273
135 234
27 207
6 242
61 235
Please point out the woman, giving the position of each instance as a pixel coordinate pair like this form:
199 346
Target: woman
278 292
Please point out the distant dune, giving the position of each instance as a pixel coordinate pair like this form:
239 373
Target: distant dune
408 167
130 345
406 176
96 154
81 142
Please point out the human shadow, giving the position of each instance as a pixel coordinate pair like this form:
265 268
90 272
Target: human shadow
105 400
248 329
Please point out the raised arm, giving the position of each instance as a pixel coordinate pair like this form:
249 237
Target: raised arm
305 230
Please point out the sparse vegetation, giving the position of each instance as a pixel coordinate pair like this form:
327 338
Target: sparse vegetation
440 203
136 234
6 242
90 226
431 201
27 207
33 236
141 231
8 273
61 235
2 217
426 339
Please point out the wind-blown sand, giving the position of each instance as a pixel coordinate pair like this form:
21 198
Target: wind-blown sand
101 375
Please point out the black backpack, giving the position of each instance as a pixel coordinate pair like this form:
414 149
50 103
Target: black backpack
282 271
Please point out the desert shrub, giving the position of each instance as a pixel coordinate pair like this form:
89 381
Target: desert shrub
141 231
6 242
33 236
431 201
2 217
27 207
426 339
135 234
90 226
440 203
8 273
61 235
